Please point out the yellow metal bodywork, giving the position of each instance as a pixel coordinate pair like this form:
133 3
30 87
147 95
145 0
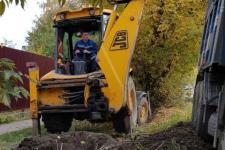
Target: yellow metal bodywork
115 64
52 75
81 13
34 78
112 20
51 97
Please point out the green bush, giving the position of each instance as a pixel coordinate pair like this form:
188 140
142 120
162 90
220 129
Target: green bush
4 120
167 51
10 82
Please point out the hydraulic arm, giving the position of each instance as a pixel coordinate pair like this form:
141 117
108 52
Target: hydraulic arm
117 50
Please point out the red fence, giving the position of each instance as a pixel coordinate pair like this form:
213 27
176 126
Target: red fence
20 58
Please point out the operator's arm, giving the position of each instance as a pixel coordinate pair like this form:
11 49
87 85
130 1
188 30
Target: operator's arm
76 46
95 50
76 49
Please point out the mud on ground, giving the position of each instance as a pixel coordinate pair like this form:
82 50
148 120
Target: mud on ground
178 137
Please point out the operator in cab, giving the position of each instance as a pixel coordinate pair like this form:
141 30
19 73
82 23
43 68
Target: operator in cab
86 49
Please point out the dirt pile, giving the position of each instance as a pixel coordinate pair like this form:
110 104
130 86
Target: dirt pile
77 141
178 137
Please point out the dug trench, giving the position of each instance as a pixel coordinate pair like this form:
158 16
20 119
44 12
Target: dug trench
178 137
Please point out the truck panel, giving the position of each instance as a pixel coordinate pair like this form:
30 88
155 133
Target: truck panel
213 41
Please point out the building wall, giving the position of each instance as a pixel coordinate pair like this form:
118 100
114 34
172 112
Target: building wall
20 58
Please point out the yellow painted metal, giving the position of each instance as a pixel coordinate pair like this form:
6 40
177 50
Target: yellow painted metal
80 13
111 22
51 97
34 77
115 64
107 11
53 75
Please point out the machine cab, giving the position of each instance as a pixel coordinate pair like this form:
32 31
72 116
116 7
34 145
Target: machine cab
70 26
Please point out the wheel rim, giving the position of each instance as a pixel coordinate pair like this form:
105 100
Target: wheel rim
143 114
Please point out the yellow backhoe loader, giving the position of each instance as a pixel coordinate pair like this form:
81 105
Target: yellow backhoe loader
72 91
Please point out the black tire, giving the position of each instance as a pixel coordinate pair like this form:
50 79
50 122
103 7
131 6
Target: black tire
221 141
221 135
198 113
199 124
123 122
205 126
57 122
143 107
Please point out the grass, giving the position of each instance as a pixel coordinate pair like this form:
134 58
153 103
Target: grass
10 140
12 116
164 118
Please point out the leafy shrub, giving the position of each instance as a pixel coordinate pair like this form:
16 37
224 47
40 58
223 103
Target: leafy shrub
167 51
10 82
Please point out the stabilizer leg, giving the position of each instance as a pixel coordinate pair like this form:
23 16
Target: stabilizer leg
36 127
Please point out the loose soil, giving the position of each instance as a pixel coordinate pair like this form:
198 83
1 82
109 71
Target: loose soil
178 137
77 141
